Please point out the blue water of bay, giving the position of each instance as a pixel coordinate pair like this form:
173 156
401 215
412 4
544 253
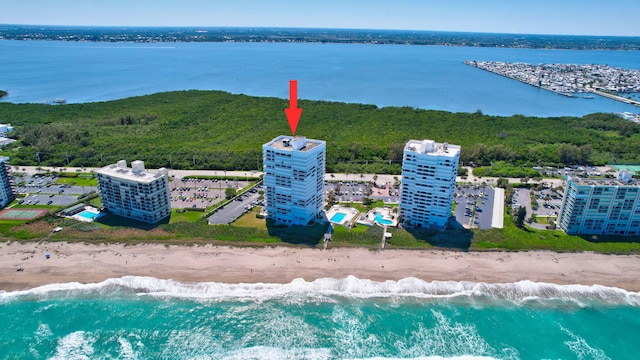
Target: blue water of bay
427 77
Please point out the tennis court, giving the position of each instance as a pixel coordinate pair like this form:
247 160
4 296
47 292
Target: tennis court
21 214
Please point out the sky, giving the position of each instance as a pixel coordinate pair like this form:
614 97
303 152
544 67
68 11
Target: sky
570 17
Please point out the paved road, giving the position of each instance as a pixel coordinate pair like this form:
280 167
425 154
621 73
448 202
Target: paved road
233 210
328 177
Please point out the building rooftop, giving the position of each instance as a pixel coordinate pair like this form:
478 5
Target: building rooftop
292 143
604 182
135 173
432 147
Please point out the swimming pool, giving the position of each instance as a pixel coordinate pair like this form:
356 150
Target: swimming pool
382 220
338 217
89 215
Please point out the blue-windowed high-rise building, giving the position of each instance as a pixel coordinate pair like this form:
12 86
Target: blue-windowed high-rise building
429 172
294 169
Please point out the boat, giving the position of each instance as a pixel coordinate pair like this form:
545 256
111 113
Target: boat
60 101
588 97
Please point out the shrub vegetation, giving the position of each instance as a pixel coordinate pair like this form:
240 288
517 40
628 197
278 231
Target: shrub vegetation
218 130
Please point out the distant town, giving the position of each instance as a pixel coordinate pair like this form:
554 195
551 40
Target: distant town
360 36
571 79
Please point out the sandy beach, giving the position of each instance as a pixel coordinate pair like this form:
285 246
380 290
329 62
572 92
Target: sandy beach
75 262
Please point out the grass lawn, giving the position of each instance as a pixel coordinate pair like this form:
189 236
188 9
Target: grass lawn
250 220
96 202
20 206
267 233
310 235
513 238
190 227
543 220
112 220
187 216
371 236
77 181
7 225
356 205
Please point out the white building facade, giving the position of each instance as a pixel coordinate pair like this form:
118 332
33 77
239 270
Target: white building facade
429 172
7 186
294 169
5 129
133 192
601 206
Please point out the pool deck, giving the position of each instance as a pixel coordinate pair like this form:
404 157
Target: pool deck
350 214
369 219
87 208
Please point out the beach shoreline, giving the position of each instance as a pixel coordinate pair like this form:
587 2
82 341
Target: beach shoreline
86 263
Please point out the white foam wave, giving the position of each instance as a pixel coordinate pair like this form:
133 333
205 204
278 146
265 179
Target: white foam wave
351 287
263 352
581 348
462 357
126 349
448 336
77 345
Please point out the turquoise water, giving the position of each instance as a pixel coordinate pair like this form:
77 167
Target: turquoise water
89 215
378 218
147 318
338 217
427 77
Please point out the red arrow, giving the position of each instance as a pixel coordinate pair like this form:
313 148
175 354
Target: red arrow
293 113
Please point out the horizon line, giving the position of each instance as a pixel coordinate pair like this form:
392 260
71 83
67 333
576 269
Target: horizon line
311 28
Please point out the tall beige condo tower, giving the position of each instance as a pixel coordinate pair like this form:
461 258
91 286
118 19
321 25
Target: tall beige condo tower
135 193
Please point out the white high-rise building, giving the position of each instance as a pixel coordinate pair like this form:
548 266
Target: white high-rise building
601 206
294 168
135 193
429 172
7 189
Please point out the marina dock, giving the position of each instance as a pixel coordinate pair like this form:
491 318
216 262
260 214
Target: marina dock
569 79
616 97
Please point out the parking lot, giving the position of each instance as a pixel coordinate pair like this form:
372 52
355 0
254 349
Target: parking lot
52 199
475 206
521 198
354 191
41 190
236 208
34 180
548 204
200 193
581 171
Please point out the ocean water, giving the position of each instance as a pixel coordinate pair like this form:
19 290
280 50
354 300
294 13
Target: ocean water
147 318
427 77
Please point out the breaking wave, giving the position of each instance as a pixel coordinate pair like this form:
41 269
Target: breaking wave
521 292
